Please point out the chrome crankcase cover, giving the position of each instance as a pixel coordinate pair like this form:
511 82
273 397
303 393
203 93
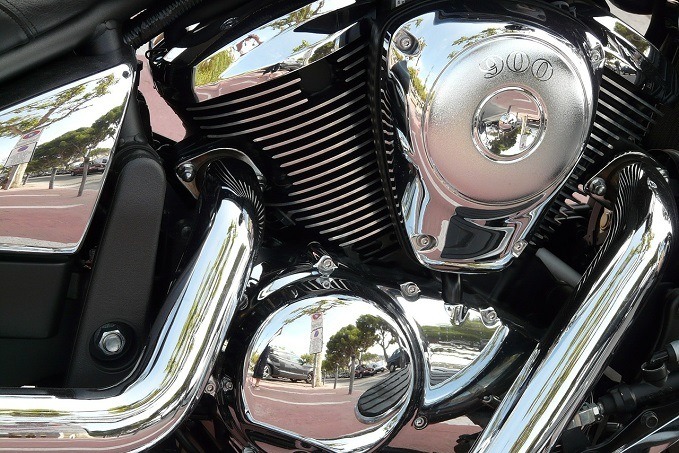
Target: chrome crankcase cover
489 117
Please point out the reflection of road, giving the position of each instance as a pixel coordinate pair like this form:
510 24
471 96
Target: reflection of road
326 413
33 214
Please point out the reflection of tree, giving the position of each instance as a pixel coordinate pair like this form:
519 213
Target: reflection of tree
307 358
297 17
468 41
379 329
49 111
76 144
346 343
53 109
417 84
504 141
209 70
636 40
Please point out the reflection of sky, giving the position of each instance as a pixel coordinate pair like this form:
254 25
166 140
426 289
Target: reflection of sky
295 336
82 118
273 51
438 42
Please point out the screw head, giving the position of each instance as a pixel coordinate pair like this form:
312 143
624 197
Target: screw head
420 422
519 247
424 242
597 186
410 289
112 342
186 172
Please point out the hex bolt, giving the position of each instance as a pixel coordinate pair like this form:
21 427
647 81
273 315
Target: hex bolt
186 172
491 316
210 388
112 342
597 186
424 242
405 43
410 289
325 264
227 385
420 422
649 419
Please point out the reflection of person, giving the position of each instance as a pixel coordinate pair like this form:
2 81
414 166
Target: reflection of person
260 365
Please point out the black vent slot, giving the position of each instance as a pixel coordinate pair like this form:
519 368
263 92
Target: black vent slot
621 121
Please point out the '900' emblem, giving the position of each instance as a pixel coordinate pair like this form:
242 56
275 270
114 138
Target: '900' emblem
493 65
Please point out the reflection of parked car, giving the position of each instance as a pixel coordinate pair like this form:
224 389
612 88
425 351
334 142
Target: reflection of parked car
378 367
285 364
94 167
364 370
397 360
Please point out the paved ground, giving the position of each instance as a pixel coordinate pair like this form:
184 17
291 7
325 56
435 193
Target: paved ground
56 216
325 413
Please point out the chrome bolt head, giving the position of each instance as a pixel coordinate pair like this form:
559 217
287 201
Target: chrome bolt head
420 422
186 172
519 247
597 186
112 342
410 289
425 242
325 265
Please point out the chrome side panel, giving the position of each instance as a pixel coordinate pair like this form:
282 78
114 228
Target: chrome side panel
44 140
176 367
557 377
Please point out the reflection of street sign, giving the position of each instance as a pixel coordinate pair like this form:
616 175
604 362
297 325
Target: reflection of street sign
23 151
316 320
316 343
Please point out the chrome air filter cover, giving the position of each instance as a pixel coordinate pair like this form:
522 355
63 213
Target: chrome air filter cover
489 116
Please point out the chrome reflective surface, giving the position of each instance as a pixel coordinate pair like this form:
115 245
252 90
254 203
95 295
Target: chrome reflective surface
508 124
176 367
519 122
54 151
556 380
277 48
354 412
456 355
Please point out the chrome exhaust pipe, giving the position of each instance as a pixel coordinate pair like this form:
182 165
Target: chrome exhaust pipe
178 361
555 381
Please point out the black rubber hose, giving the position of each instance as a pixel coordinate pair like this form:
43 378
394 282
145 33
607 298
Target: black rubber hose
151 22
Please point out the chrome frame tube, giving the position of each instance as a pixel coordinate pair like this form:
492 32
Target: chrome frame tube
555 381
179 360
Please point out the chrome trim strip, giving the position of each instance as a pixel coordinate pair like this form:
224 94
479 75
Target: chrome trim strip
554 382
52 133
178 362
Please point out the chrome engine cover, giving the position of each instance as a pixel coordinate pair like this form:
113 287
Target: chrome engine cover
490 116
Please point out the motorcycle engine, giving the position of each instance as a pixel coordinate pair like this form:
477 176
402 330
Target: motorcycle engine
454 132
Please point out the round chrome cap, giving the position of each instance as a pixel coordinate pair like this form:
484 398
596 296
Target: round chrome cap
508 124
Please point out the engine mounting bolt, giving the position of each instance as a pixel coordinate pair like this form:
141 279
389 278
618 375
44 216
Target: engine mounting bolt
519 247
649 419
186 172
597 186
325 265
425 242
420 422
227 385
410 289
112 342
211 387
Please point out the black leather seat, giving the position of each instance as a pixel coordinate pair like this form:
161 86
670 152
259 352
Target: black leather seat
23 20
35 31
